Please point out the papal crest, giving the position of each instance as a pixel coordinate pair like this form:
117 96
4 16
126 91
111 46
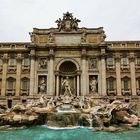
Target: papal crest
68 23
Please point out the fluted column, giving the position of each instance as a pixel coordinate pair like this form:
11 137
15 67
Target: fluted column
4 74
57 85
18 75
51 81
99 78
32 71
132 72
118 74
84 73
78 85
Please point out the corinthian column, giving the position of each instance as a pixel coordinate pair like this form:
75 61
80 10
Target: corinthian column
4 74
84 73
103 74
18 75
118 74
51 77
32 71
132 71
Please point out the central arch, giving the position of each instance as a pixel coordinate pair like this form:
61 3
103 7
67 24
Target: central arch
68 70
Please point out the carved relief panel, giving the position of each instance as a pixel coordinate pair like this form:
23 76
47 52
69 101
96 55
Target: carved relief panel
42 63
93 63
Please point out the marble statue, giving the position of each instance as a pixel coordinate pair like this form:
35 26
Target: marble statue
66 86
42 85
51 38
93 84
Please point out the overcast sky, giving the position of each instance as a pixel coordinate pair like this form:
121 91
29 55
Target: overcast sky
120 18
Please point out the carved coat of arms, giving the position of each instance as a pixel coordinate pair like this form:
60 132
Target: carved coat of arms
68 23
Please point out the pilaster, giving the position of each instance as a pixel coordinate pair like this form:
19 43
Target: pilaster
118 74
18 75
32 71
132 73
4 74
103 74
51 77
84 72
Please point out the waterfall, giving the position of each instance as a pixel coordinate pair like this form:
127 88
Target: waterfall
90 120
99 120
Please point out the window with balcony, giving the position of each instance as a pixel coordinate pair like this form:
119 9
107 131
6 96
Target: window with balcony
111 86
11 83
124 61
25 82
110 83
126 86
138 86
25 62
110 61
138 61
12 63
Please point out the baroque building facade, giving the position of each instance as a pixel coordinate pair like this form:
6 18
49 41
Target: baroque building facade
69 60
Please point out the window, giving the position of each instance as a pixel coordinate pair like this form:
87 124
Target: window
25 84
111 83
12 60
124 45
13 46
126 83
25 61
139 83
138 61
11 83
137 45
110 61
124 61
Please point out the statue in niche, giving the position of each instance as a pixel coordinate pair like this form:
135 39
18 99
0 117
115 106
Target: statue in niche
93 84
66 86
93 63
43 63
42 85
51 38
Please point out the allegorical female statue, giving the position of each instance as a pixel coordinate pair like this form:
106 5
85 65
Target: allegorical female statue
42 85
93 85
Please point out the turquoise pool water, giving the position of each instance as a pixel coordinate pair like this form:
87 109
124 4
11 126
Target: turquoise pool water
43 133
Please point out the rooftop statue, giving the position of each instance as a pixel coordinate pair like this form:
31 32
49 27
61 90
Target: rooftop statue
68 23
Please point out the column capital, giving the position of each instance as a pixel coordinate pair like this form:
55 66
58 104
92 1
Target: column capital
5 58
132 57
117 57
84 53
19 57
51 53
